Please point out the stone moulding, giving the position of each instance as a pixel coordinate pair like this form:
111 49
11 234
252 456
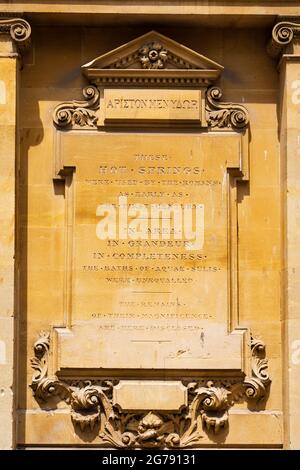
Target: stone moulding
154 78
152 60
19 30
92 409
83 114
283 34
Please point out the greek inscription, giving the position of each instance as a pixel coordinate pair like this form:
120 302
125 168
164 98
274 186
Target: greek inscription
138 103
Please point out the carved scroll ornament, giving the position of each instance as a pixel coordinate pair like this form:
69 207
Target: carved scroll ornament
92 409
82 114
256 386
224 115
78 113
18 28
283 34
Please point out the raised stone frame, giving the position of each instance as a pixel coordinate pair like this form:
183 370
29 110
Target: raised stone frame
153 61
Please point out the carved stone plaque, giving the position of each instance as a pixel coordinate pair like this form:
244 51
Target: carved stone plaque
148 106
150 262
145 394
151 352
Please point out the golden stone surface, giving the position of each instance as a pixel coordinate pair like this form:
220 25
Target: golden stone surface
118 312
140 106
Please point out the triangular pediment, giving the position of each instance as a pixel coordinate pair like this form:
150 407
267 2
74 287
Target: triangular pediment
154 56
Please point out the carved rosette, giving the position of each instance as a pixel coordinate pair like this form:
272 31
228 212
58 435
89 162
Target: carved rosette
224 115
282 34
78 113
92 409
18 28
153 55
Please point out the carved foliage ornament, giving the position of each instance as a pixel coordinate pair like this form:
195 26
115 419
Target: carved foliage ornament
153 55
282 35
83 114
78 113
222 115
18 28
92 409
257 385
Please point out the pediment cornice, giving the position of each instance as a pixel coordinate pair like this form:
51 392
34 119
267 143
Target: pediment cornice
154 60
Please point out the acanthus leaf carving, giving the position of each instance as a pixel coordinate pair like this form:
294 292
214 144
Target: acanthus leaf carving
85 407
40 360
215 402
92 409
78 113
224 115
83 114
152 430
256 386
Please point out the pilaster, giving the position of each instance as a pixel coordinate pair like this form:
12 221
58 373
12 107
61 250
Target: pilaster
285 47
14 35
